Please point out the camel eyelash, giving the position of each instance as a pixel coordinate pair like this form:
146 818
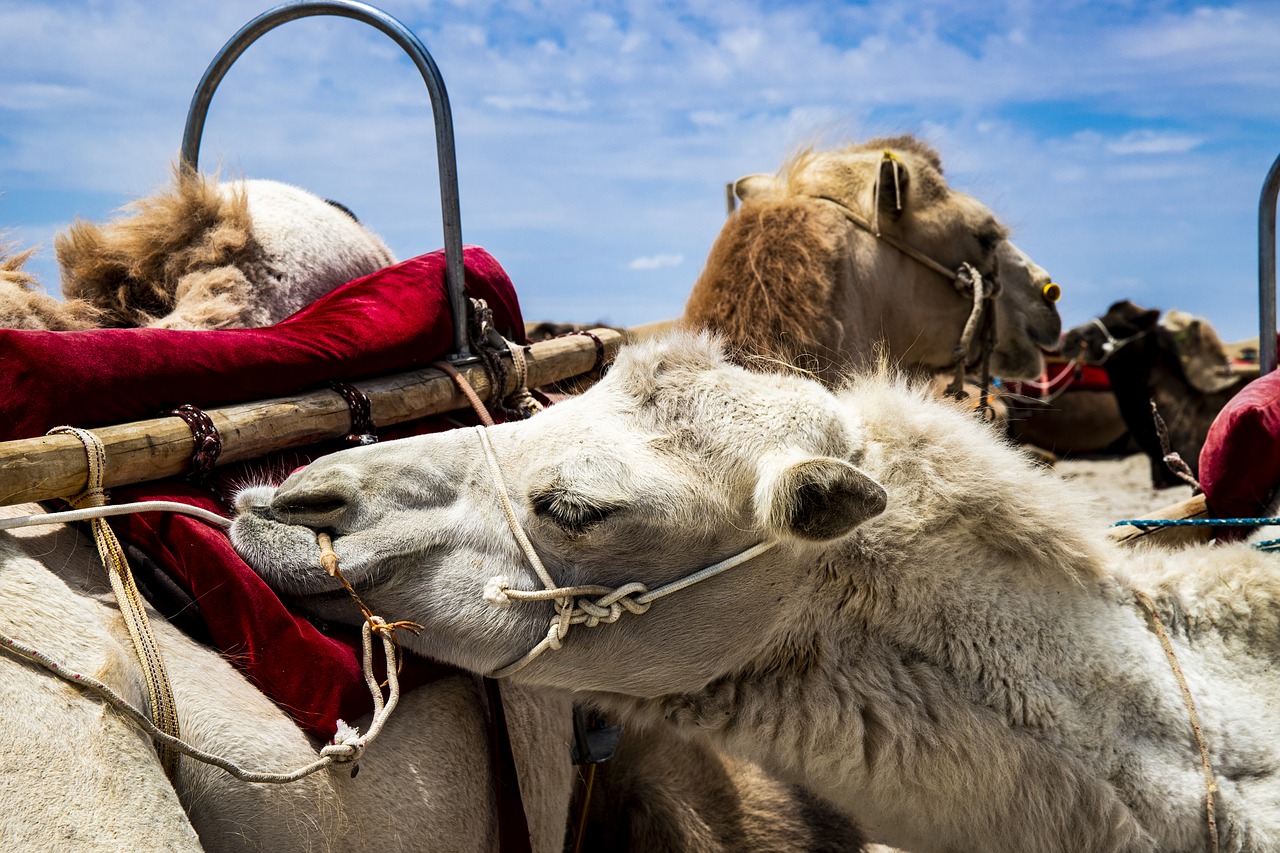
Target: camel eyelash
568 511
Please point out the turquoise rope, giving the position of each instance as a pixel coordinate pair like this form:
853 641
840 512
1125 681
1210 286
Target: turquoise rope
1146 524
1152 523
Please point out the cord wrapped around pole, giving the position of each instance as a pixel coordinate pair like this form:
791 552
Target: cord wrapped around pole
52 466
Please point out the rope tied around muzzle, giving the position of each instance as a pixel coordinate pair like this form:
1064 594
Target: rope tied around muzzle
375 623
572 607
981 321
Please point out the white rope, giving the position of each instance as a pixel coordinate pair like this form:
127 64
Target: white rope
71 515
1052 389
573 607
1112 343
347 746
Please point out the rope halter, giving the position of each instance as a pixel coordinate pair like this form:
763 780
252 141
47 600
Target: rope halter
1112 344
590 604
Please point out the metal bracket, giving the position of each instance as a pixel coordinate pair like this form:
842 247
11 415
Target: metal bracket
1267 270
447 159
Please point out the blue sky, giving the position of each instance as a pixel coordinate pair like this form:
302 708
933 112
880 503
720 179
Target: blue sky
1124 142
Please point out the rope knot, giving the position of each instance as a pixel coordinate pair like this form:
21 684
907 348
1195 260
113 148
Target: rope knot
380 626
495 591
347 744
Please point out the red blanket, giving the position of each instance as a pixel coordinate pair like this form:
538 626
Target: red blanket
395 319
1060 375
1239 465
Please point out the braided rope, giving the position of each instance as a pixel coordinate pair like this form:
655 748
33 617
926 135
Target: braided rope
204 435
363 429
571 607
348 744
164 710
1210 783
1153 523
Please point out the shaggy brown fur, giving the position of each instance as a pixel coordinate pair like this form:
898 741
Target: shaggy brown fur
24 306
131 268
768 287
790 281
663 794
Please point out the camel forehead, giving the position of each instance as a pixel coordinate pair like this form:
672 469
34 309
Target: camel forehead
682 389
849 175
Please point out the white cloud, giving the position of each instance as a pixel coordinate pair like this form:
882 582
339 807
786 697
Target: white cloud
589 133
1154 142
554 102
656 262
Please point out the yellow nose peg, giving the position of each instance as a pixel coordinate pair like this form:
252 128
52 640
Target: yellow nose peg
1051 292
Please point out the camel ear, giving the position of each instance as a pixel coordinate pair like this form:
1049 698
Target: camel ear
759 187
894 179
817 498
1148 319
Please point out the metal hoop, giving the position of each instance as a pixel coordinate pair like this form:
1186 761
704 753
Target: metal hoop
1267 270
401 35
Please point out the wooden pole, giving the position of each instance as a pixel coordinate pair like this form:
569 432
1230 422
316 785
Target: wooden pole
54 466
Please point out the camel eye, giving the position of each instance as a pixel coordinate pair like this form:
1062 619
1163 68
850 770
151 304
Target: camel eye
568 511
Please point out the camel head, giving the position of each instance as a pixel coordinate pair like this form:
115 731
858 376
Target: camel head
209 255
895 186
674 461
1097 340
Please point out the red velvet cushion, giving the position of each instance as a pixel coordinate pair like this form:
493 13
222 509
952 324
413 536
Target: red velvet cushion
315 676
1240 461
394 319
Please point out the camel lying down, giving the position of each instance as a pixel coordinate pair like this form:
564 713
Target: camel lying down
927 643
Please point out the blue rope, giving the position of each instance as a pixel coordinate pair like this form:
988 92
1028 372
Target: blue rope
1146 524
1153 523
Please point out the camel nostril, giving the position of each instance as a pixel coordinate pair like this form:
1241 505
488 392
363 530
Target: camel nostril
309 510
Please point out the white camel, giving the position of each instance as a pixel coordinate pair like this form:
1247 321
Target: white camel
901 620
80 776
852 253
203 254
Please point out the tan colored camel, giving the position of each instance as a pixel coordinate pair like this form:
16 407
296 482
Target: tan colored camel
867 593
798 275
23 305
198 255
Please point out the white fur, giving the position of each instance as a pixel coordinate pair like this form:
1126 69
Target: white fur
305 247
967 670
77 772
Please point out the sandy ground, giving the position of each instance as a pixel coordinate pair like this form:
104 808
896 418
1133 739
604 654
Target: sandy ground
1119 488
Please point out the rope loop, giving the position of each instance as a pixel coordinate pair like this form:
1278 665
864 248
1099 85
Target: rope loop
363 429
133 611
205 438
